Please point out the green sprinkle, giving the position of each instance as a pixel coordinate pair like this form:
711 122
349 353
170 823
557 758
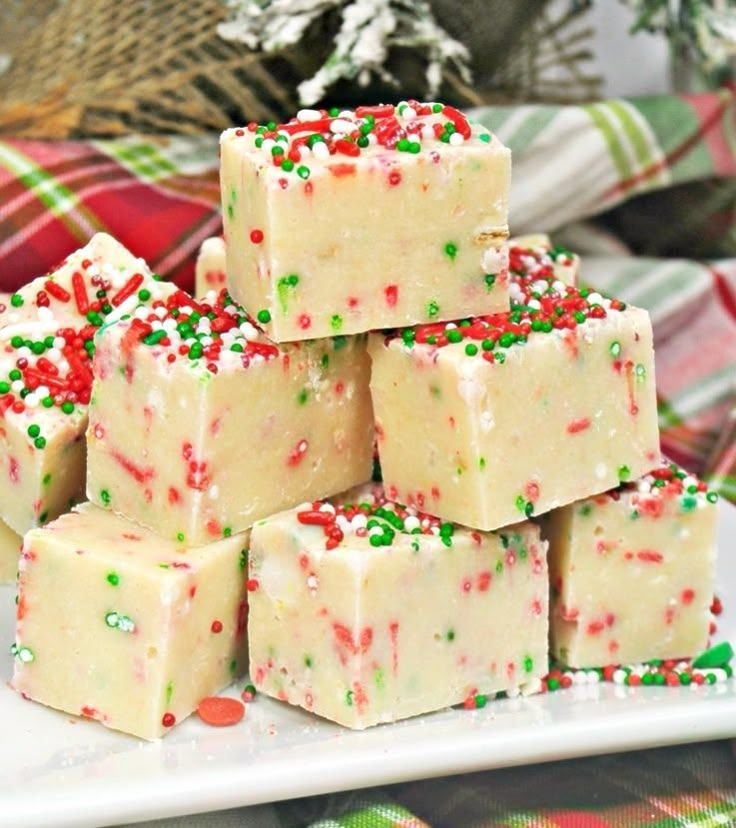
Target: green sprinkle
451 250
624 473
308 661
155 337
113 578
339 342
336 322
33 430
43 517
433 309
40 442
302 396
717 656
485 137
46 479
180 537
402 145
480 700
263 316
144 295
688 503
287 165
16 300
349 698
586 509
490 280
303 172
195 350
450 635
471 349
454 335
615 349
528 664
712 497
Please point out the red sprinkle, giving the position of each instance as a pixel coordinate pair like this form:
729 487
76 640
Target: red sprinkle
168 720
256 236
220 711
216 627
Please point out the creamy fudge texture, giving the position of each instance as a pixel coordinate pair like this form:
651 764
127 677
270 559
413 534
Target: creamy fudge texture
632 571
10 543
199 425
209 270
101 280
363 611
122 626
341 222
495 418
46 376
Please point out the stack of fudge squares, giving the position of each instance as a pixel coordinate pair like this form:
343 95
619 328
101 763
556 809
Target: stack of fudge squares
371 297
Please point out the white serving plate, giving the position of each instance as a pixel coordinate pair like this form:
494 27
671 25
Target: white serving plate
59 771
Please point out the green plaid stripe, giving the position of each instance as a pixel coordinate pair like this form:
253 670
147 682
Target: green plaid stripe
141 158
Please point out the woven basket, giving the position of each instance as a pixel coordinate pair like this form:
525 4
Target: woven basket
81 68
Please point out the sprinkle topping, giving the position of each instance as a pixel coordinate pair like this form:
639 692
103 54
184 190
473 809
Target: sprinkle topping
540 304
337 137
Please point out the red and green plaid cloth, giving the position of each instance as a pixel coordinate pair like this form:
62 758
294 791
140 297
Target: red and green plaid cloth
655 174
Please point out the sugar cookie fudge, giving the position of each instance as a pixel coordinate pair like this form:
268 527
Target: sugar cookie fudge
10 543
495 418
98 282
46 347
122 626
209 270
340 222
200 425
363 611
632 571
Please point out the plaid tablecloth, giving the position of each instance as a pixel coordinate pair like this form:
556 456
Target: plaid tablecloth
654 175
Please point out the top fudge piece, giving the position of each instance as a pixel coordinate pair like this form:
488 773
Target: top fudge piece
497 417
199 425
348 221
70 295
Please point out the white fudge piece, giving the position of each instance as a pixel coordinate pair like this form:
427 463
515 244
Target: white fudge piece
382 216
209 270
365 612
125 627
199 425
632 571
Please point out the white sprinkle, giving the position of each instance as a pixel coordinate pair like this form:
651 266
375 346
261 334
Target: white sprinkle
320 151
456 139
266 145
340 125
327 507
214 491
359 521
45 314
411 522
17 385
619 676
601 470
427 132
312 582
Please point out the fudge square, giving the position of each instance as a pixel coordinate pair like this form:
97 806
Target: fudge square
209 269
364 611
199 425
383 216
46 348
632 571
122 626
495 418
10 543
